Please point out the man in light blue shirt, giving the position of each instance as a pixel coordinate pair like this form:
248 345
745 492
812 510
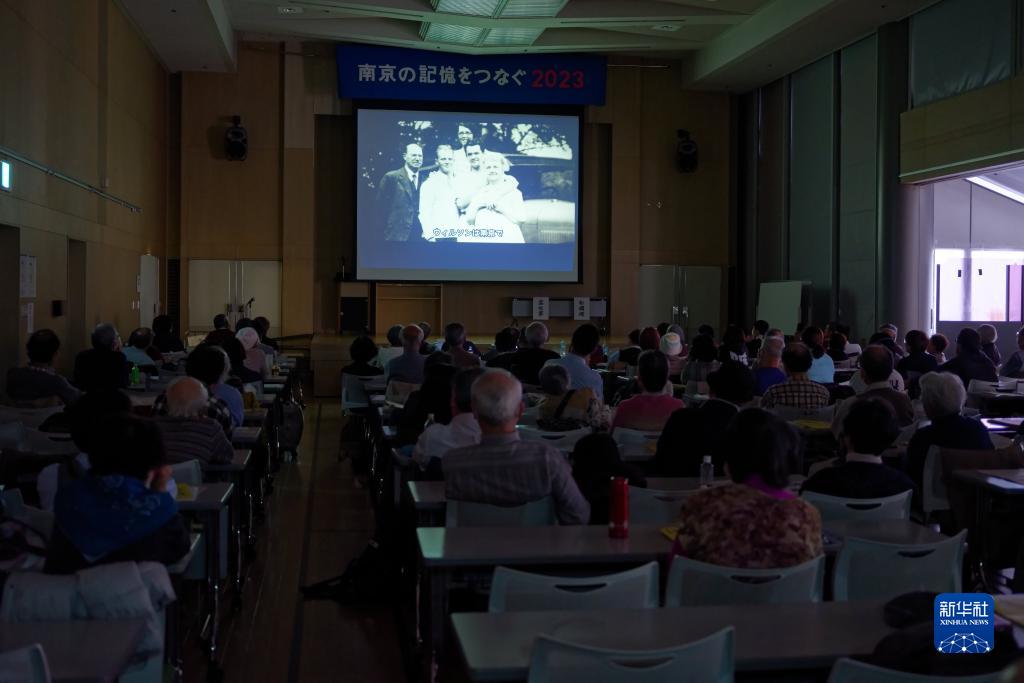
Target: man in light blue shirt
584 340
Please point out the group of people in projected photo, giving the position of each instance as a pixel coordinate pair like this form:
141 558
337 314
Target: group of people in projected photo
453 186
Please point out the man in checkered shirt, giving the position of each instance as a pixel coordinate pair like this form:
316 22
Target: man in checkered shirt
797 391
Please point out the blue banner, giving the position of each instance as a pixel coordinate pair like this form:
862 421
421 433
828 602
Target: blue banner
385 73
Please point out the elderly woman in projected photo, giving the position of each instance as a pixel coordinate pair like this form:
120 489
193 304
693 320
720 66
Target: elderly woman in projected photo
496 210
438 210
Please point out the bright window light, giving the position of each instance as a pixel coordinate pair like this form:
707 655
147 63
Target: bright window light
997 188
5 176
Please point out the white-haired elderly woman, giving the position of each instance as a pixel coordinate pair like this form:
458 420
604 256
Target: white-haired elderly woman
989 336
495 210
943 397
255 358
560 402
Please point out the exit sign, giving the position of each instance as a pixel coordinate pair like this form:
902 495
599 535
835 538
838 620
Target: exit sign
5 176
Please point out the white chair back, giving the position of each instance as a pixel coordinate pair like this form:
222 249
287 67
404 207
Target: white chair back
651 506
692 583
560 440
851 671
837 509
867 570
30 417
933 489
397 392
24 665
708 660
516 591
353 391
189 472
536 513
634 443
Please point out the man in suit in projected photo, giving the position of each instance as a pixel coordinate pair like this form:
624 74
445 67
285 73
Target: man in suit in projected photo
398 197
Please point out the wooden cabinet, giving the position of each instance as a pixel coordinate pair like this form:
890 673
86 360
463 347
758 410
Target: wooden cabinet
401 304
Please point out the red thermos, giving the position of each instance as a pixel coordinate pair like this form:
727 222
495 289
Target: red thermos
618 510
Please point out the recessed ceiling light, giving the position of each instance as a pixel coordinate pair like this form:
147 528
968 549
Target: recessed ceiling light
289 10
666 27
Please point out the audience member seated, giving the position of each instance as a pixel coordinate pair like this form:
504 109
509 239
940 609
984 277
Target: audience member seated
103 366
119 511
733 346
187 432
84 416
595 460
563 408
917 362
707 331
268 351
255 358
633 342
891 331
648 340
989 337
221 331
408 367
1013 367
502 469
798 391
692 433
943 396
463 429
837 349
362 351
869 428
526 362
240 374
211 366
455 344
823 368
757 336
970 362
672 347
427 347
768 373
504 342
432 402
584 340
649 410
875 369
701 362
858 384
38 384
263 327
755 522
385 354
140 351
164 337
852 349
937 345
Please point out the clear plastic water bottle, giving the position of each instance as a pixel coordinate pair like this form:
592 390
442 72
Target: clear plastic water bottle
707 472
561 348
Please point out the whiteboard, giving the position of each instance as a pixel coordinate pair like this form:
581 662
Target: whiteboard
779 304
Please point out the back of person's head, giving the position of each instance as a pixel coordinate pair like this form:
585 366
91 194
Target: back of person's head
454 335
505 340
105 337
796 358
394 335
776 332
733 338
126 445
772 348
425 326
634 337
841 328
836 342
942 394
536 334
141 338
163 325
988 334
759 443
585 339
678 329
42 346
702 349
248 336
939 342
596 456
244 323
649 338
876 363
362 349
652 371
916 341
890 329
462 388
438 358
671 344
85 414
497 397
968 340
186 397
761 327
707 330
262 325
871 426
220 322
813 338
733 382
208 364
235 351
553 379
412 337
662 328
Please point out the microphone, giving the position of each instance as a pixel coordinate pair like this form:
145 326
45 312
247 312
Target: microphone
249 302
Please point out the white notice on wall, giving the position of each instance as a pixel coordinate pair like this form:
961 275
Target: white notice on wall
27 289
28 312
540 308
581 308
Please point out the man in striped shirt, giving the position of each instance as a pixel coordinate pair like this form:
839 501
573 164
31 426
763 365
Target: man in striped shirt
187 432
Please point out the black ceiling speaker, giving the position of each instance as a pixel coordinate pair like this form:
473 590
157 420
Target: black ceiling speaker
686 152
236 141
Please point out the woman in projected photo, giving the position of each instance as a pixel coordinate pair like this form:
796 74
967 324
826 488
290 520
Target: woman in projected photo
495 211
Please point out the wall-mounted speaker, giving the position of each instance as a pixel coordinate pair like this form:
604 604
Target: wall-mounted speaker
236 141
686 152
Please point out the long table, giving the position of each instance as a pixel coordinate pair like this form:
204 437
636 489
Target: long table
496 647
987 485
86 650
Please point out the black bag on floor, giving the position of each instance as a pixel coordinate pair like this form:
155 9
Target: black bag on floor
369 579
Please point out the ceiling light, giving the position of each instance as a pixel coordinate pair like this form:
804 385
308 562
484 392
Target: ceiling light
666 27
981 181
289 10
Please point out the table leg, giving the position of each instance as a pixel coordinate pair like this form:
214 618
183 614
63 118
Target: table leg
212 530
981 504
436 594
238 499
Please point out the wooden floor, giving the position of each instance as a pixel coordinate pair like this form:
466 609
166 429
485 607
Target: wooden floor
317 520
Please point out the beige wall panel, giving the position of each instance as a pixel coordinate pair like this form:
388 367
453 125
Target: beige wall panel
69 28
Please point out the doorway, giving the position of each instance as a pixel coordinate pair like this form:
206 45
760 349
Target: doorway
77 296
10 301
235 288
149 289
